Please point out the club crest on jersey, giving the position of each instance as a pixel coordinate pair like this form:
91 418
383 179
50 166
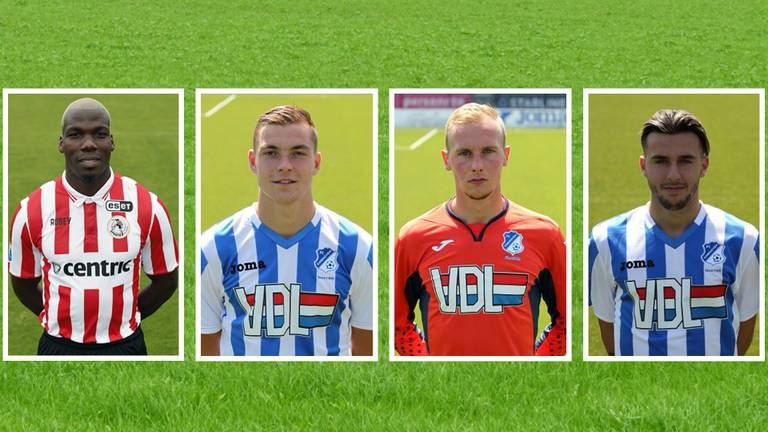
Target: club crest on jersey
513 243
467 289
326 260
118 226
670 303
278 309
714 253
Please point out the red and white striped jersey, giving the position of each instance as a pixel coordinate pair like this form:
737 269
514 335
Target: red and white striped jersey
88 250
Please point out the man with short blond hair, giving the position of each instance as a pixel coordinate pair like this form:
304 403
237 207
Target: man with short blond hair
286 276
478 266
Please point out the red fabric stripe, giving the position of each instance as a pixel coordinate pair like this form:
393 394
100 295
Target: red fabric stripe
91 313
65 322
308 299
708 291
91 228
444 279
116 193
117 313
510 279
46 294
135 292
13 220
27 256
35 217
156 241
669 293
61 231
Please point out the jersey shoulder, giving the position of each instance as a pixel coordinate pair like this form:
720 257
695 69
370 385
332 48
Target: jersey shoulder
525 220
222 232
433 220
345 225
600 231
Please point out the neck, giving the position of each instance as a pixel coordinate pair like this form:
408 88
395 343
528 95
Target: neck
285 219
674 222
87 186
474 211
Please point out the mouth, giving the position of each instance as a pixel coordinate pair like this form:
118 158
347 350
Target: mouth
674 188
89 161
477 181
283 182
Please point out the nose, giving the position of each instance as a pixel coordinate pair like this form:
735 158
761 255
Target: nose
477 163
284 164
89 143
674 172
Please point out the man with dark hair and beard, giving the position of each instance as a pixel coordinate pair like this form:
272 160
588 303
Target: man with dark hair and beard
674 277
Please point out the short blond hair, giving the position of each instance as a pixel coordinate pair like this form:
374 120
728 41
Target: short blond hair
473 113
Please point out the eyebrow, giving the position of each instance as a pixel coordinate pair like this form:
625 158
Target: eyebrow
295 147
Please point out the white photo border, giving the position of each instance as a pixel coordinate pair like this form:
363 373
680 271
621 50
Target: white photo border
585 232
374 94
179 92
567 232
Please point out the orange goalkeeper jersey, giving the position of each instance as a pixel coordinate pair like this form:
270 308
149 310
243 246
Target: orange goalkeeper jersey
479 287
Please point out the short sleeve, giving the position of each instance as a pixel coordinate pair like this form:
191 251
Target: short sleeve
160 254
602 286
361 291
211 294
746 287
23 256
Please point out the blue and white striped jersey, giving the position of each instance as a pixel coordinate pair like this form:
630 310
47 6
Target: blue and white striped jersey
683 297
299 296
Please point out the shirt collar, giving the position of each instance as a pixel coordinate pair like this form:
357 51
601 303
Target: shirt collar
99 197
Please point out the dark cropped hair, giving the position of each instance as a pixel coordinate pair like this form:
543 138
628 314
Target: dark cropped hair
674 121
284 115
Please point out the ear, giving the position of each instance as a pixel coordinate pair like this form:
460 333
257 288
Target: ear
506 155
111 143
316 167
704 166
444 153
61 144
642 165
252 162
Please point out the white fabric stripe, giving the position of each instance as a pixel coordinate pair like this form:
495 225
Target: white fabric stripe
308 310
675 267
53 310
329 234
715 232
708 302
361 295
166 231
211 286
746 287
106 244
287 273
603 289
345 332
77 314
105 315
48 207
509 289
635 250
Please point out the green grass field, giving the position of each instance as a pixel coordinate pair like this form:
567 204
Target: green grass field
534 177
385 45
145 129
616 184
344 128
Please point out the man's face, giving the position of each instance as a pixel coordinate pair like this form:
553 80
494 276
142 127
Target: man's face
476 157
673 165
86 143
285 162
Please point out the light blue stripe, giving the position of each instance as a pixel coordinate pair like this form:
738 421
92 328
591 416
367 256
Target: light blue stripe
267 252
226 249
203 262
592 258
695 340
654 250
708 312
507 300
734 239
314 321
306 275
617 235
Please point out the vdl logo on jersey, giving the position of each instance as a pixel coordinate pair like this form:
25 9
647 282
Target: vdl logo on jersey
276 309
669 303
512 244
470 289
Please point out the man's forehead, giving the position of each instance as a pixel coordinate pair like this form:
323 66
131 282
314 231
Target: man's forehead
286 135
93 117
475 134
682 144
